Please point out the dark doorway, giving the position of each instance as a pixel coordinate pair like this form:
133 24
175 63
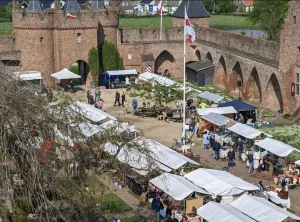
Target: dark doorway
83 70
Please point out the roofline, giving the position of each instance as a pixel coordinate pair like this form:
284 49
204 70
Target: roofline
201 68
191 17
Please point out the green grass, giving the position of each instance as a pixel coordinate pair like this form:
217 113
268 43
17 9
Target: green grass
111 203
216 21
5 28
134 219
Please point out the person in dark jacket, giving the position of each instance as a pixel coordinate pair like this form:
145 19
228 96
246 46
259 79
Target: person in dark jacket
240 147
230 157
250 159
216 149
156 205
123 98
117 99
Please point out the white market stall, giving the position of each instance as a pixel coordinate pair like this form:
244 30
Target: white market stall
211 97
220 183
216 212
216 119
90 112
276 147
297 162
65 74
261 209
246 131
113 126
116 78
219 110
148 76
87 129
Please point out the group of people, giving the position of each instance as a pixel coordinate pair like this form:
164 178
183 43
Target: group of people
96 99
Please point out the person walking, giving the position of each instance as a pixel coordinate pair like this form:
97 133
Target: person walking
230 157
216 149
240 148
134 106
100 104
206 141
123 98
261 190
117 98
126 104
127 83
250 159
88 93
155 206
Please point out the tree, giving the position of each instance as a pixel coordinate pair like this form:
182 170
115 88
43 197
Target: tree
209 5
225 6
93 61
8 11
269 16
111 59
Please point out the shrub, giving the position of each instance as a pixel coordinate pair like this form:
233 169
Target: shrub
93 61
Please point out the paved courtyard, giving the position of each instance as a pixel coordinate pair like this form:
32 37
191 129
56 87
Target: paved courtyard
165 132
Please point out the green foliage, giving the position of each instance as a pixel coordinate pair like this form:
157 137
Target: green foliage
225 6
111 203
19 215
93 61
287 116
243 33
269 16
111 59
74 69
134 219
8 11
208 4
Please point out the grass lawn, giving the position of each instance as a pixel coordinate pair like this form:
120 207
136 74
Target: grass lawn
216 21
134 219
111 203
5 28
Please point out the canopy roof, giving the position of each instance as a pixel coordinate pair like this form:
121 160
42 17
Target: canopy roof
90 112
216 212
65 74
245 131
219 110
139 161
163 154
211 96
148 76
122 72
239 105
30 75
219 182
216 119
297 162
87 129
176 186
195 9
261 209
277 147
118 127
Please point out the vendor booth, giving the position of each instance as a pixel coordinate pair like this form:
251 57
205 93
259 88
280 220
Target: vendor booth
212 122
222 185
34 77
178 194
64 77
227 111
113 126
211 97
247 110
216 212
261 209
148 76
117 78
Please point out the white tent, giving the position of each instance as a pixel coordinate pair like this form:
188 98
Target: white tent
122 72
87 129
219 182
219 110
261 209
245 131
65 74
274 146
163 154
211 97
297 162
139 161
118 127
90 112
176 186
148 76
29 75
216 119
216 212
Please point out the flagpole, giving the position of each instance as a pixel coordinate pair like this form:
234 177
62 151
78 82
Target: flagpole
160 37
184 58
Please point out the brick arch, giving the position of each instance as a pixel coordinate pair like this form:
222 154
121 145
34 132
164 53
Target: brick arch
273 94
235 76
83 70
220 78
165 60
198 54
209 57
252 89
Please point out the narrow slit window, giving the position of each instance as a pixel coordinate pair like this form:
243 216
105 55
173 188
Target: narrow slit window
41 39
297 84
79 37
295 19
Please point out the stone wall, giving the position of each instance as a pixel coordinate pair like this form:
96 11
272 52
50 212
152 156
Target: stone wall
6 43
251 45
202 22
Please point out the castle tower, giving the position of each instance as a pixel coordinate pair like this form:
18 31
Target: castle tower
50 42
196 11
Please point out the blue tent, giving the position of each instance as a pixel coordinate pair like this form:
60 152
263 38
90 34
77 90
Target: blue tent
239 105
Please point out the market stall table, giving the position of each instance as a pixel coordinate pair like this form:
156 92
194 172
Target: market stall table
277 200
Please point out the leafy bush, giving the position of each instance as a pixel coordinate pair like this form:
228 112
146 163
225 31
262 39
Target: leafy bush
93 61
110 57
225 6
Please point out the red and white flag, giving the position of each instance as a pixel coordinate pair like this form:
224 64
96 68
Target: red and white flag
189 30
160 7
70 16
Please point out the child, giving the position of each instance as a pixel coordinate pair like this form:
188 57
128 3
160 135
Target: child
125 106
100 104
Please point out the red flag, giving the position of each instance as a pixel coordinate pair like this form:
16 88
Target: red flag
69 16
160 7
189 29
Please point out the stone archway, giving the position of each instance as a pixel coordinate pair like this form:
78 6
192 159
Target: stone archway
198 54
253 87
273 95
81 68
235 76
209 57
165 61
220 78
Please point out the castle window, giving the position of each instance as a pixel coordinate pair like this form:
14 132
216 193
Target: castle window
295 20
79 37
129 56
297 84
41 39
